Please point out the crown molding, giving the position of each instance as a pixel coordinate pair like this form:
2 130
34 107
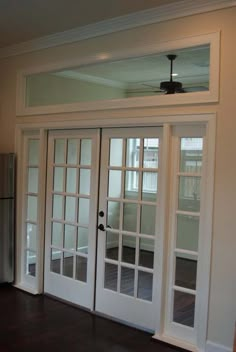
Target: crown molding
137 19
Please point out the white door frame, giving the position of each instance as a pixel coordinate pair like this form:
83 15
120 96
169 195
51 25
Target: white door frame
43 125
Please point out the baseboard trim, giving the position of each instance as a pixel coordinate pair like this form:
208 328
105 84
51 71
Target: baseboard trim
215 347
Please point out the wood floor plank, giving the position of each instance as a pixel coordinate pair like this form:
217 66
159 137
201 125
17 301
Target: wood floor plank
39 323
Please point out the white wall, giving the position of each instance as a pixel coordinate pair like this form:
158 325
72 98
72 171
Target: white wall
222 304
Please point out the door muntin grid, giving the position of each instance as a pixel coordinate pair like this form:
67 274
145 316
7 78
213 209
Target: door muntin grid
31 205
131 208
71 194
186 241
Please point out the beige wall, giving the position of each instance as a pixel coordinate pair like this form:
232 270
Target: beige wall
222 307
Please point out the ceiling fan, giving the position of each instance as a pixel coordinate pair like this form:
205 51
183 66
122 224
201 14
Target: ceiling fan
171 87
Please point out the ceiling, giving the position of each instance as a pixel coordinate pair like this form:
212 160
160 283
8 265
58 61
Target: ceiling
143 75
23 20
191 64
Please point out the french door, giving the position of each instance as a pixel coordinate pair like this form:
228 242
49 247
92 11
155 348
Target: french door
124 229
127 262
71 215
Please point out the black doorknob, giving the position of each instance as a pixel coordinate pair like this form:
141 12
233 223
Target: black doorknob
101 213
101 227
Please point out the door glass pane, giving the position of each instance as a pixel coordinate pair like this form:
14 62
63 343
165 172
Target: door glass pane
56 261
131 184
32 208
148 218
59 157
81 269
191 155
33 180
72 148
127 281
84 181
71 180
149 187
184 308
146 252
84 211
33 156
70 209
116 151
58 184
69 239
57 207
112 245
114 190
150 155
145 285
187 232
128 249
31 263
189 193
113 214
132 152
68 261
57 234
86 152
82 240
111 275
130 217
186 271
31 236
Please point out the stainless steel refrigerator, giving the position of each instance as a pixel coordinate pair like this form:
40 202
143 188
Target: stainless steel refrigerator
7 210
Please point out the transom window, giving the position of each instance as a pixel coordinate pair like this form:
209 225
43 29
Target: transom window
183 71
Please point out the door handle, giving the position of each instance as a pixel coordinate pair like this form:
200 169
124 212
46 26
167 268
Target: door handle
101 227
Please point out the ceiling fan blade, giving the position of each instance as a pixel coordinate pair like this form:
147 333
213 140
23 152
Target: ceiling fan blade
145 91
195 89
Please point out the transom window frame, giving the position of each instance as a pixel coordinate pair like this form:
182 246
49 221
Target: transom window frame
210 96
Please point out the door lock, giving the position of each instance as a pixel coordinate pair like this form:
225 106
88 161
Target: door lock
101 227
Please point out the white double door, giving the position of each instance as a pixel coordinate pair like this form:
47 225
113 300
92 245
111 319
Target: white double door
103 221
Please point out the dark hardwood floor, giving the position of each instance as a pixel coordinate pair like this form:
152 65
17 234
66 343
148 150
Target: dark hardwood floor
39 323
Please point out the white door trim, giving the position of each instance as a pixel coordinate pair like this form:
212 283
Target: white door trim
61 122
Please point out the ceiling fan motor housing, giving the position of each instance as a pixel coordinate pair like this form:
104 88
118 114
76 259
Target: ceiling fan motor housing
171 87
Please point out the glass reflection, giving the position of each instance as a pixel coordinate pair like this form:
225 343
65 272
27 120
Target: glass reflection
132 152
111 275
150 154
127 281
145 285
184 308
130 217
191 155
189 193
59 157
116 151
